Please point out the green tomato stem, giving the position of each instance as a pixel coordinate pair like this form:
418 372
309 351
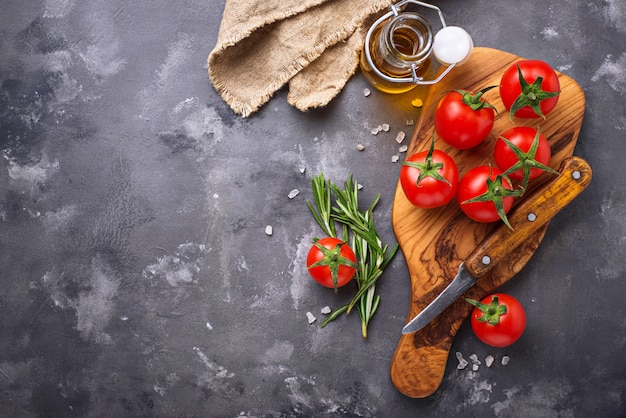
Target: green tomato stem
491 312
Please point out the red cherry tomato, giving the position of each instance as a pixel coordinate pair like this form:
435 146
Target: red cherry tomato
429 178
524 94
331 262
481 182
498 320
462 119
531 164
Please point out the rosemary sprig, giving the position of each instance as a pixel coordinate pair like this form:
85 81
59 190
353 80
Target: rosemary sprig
372 256
322 196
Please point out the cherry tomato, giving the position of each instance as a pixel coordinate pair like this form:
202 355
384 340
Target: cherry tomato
498 320
331 262
530 89
486 195
462 119
429 178
525 156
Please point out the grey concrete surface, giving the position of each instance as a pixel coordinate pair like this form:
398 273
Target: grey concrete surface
136 278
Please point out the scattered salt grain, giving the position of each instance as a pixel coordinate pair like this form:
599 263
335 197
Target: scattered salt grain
489 360
395 158
385 127
505 360
375 130
311 318
269 230
462 362
302 170
475 362
403 148
409 122
293 193
366 92
400 137
359 186
360 147
325 310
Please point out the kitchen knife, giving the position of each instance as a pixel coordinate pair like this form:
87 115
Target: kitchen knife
531 214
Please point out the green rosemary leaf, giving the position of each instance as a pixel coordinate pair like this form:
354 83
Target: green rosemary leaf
334 315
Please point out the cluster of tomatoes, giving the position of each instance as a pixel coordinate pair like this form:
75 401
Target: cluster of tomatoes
462 119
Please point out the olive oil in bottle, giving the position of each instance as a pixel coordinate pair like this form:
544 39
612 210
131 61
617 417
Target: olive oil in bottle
400 52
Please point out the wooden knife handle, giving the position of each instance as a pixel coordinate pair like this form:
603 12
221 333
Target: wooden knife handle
530 215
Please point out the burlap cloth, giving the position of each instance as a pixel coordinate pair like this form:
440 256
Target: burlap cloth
313 45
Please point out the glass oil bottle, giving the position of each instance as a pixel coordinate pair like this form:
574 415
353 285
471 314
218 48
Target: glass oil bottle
399 48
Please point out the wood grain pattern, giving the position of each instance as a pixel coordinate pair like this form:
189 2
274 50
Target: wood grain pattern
435 242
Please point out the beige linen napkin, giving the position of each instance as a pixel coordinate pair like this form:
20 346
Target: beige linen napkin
313 45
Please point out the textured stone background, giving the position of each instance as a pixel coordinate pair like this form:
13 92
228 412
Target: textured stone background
136 276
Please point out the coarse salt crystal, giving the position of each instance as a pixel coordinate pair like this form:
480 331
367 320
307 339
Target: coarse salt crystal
409 122
360 147
403 148
293 193
400 137
325 310
395 158
462 362
366 92
302 170
385 127
269 230
375 130
505 360
474 359
489 360
311 318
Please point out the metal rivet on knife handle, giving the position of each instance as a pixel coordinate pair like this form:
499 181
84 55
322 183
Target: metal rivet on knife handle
531 217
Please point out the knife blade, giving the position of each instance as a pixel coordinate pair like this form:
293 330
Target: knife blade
530 215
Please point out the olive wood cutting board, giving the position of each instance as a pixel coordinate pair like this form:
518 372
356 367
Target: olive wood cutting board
436 241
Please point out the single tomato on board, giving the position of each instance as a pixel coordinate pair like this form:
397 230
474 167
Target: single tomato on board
463 119
331 262
498 320
486 195
529 89
523 153
429 178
